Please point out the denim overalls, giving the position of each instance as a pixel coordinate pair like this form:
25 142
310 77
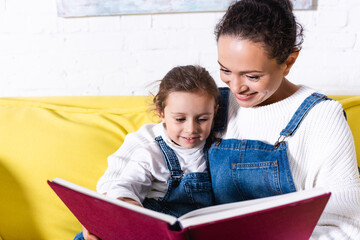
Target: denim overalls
185 192
248 169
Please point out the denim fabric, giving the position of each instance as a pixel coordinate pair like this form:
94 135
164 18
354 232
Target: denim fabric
247 169
185 192
301 112
79 236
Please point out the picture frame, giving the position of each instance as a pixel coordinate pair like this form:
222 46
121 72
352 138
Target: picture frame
83 8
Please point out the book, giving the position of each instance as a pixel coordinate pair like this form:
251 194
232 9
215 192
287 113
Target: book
288 216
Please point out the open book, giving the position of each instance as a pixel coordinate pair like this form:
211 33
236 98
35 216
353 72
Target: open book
289 216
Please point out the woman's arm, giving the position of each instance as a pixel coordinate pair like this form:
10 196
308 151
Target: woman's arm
333 166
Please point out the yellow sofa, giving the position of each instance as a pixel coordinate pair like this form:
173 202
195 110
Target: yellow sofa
69 137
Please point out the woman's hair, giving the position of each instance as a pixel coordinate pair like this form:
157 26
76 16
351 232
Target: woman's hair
190 78
269 22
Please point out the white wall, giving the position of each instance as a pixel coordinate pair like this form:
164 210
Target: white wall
44 55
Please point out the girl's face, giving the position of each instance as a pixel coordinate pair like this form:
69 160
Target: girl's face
188 117
255 79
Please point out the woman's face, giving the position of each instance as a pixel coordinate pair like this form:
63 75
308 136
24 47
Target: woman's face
245 67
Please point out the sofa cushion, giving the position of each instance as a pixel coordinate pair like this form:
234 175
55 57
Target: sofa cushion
44 138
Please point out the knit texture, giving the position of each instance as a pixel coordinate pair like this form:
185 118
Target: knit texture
321 154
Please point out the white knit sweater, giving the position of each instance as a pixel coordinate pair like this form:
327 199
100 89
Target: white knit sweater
321 154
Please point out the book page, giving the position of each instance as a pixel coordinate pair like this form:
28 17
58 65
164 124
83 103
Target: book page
229 210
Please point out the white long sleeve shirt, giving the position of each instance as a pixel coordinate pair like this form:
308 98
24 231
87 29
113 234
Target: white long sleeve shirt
321 154
146 173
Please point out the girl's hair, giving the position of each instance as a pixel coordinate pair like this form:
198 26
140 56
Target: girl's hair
269 22
190 78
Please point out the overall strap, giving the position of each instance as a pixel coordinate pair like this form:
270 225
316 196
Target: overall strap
301 112
171 160
222 112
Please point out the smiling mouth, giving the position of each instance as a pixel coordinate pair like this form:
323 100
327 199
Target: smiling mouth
191 138
244 97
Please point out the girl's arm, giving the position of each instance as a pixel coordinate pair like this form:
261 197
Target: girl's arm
130 200
136 179
118 160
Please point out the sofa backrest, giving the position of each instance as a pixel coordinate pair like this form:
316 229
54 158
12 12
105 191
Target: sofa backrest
49 137
70 137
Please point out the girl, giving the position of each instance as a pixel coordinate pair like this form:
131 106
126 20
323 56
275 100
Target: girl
165 166
280 137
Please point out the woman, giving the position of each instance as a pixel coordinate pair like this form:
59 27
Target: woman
280 137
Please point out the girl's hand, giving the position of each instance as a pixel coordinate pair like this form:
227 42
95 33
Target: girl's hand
129 200
88 236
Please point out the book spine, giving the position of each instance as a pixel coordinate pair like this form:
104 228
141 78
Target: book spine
178 235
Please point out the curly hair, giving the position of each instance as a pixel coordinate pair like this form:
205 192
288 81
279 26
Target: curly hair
190 78
270 22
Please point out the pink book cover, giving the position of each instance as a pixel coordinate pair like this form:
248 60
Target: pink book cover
295 220
109 221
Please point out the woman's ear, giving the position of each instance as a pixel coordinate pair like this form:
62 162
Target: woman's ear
290 61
